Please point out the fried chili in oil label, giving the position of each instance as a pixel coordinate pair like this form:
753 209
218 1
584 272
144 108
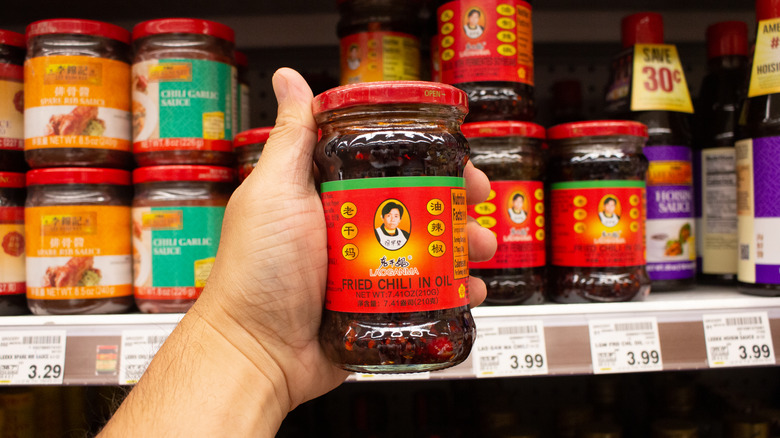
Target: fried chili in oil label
396 244
379 56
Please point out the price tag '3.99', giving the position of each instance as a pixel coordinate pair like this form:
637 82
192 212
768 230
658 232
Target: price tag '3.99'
32 357
510 348
625 345
738 339
138 349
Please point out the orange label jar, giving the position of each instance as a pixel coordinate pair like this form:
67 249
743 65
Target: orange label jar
77 94
12 51
77 225
12 270
391 160
249 146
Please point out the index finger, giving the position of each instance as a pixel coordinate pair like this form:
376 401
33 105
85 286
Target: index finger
477 184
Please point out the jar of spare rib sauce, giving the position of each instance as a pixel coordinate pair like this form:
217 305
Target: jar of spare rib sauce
391 162
177 221
248 146
12 50
12 271
184 86
597 216
77 94
510 154
77 226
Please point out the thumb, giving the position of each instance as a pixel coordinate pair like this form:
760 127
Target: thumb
290 147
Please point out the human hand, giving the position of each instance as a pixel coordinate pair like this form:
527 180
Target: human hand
266 291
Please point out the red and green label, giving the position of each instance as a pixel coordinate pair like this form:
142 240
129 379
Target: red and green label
396 244
598 223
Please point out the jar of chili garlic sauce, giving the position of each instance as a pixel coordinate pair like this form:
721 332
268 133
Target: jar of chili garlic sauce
184 86
391 161
510 154
77 226
77 94
12 270
12 51
597 216
177 221
249 146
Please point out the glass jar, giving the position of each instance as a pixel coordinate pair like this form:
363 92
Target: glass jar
243 93
391 162
487 51
379 40
12 270
184 89
77 95
12 51
77 225
597 182
510 154
177 221
248 146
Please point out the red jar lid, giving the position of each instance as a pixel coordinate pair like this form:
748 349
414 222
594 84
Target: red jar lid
183 173
252 136
389 92
12 180
727 38
10 38
597 128
78 175
83 27
183 25
241 59
767 9
502 129
642 28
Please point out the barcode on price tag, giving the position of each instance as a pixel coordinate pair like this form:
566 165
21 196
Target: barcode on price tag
509 348
625 345
738 339
32 358
138 349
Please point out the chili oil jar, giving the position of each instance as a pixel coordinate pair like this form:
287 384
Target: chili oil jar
391 162
248 146
487 51
184 92
243 94
12 51
597 182
510 154
379 40
177 221
757 152
77 226
77 95
12 270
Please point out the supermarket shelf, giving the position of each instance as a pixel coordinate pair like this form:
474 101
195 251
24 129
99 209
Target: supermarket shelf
566 332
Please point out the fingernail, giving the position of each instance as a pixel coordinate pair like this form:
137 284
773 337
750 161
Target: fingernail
281 87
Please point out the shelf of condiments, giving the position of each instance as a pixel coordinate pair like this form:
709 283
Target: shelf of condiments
57 73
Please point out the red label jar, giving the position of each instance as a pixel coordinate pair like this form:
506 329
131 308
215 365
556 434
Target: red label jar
12 270
510 154
248 146
391 162
12 50
184 87
597 217
77 94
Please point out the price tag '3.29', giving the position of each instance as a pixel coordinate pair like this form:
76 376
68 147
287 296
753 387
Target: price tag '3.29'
738 339
625 345
138 349
510 348
32 357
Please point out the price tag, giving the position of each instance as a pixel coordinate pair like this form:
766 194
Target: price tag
138 349
510 348
658 81
32 357
738 339
625 345
384 377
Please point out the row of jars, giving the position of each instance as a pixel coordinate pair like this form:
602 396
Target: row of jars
91 94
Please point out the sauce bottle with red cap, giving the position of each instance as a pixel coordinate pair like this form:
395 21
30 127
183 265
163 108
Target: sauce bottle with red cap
758 152
715 176
648 85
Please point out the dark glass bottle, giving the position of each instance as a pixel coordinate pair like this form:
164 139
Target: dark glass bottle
715 176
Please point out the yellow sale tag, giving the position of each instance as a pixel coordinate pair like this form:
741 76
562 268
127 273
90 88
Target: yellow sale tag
765 73
658 82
